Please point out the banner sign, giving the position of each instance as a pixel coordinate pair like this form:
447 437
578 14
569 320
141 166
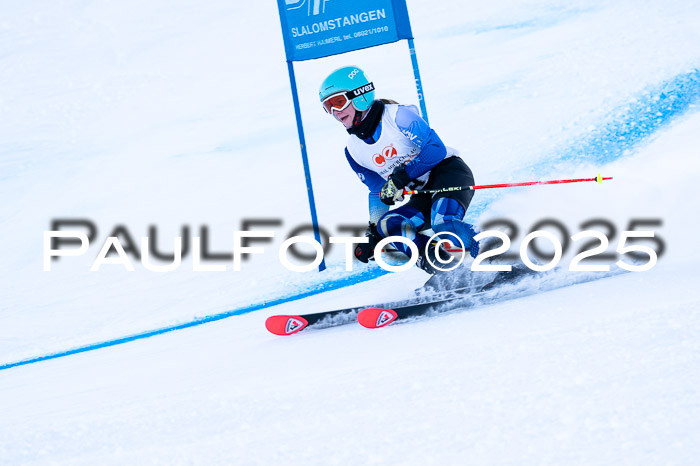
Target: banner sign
319 28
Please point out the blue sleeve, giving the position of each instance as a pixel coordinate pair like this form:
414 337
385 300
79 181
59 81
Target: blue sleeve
416 129
374 182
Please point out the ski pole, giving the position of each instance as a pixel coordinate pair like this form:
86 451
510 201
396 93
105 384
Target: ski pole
598 178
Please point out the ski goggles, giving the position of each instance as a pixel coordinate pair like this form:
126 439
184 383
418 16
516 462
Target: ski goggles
341 100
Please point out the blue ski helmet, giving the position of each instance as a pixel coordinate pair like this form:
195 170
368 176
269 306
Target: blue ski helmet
353 81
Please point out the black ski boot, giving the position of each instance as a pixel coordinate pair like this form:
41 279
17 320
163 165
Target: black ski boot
428 260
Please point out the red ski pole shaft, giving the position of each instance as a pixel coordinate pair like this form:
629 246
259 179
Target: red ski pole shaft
598 178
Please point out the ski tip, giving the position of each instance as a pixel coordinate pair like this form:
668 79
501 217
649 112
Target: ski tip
376 317
285 325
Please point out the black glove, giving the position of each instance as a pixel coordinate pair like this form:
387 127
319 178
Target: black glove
392 191
365 251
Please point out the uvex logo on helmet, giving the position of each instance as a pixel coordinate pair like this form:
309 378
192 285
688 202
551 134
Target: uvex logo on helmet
363 90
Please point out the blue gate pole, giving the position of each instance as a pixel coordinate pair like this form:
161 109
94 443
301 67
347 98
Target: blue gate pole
416 75
305 160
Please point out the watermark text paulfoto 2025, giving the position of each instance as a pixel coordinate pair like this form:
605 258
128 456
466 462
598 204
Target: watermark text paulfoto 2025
638 243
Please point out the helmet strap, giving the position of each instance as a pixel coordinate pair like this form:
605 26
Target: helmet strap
357 119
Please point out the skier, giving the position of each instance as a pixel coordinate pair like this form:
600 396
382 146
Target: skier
391 148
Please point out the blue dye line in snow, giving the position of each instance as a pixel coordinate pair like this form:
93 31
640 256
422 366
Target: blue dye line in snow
626 128
632 124
363 276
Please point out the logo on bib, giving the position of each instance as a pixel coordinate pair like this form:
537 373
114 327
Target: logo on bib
389 152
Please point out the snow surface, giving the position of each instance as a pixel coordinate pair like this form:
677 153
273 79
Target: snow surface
167 114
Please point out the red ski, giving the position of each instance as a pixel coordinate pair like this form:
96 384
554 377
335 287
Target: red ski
381 315
289 325
374 317
285 325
